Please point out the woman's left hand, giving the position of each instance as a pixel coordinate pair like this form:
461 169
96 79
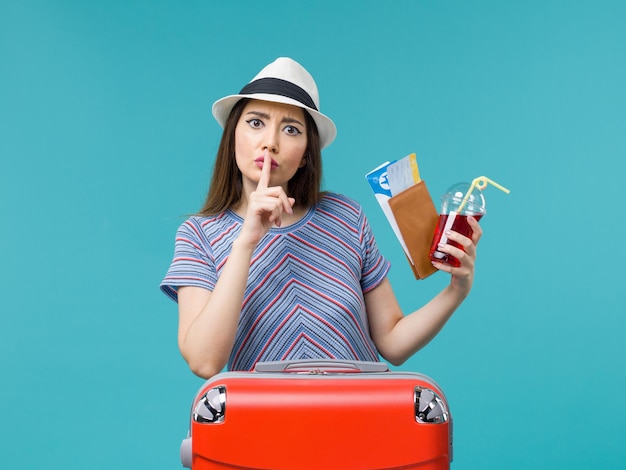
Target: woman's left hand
462 276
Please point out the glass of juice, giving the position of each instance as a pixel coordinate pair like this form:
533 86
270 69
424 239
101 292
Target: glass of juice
451 218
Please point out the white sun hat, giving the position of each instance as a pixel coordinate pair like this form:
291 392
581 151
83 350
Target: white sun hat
282 81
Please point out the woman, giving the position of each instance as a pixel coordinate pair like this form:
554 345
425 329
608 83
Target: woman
272 268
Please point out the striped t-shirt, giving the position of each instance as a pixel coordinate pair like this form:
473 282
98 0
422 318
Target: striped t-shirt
304 297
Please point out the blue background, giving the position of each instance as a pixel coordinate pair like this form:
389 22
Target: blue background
107 142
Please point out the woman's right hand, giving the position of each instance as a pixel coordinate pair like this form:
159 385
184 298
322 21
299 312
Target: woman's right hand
265 208
204 346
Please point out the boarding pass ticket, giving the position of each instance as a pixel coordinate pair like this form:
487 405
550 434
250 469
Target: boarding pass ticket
392 178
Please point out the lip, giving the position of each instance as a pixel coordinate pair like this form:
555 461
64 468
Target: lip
259 162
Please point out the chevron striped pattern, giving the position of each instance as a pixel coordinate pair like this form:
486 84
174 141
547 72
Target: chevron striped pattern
304 298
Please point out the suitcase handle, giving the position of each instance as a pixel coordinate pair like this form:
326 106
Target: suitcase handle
321 366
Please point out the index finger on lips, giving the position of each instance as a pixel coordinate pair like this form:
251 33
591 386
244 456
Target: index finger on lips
264 180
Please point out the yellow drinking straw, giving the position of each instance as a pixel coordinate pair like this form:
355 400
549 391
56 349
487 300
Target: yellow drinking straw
480 183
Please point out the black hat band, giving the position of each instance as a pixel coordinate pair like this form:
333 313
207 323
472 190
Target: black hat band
277 86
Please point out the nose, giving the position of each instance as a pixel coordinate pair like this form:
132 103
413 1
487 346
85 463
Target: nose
270 141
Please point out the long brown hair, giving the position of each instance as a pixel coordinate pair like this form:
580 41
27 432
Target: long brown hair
226 186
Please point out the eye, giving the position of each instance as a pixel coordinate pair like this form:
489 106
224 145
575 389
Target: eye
255 123
291 130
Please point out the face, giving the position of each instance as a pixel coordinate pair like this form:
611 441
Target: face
280 130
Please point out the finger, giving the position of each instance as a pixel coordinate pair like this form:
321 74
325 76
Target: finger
276 195
452 250
442 266
287 203
454 271
270 205
463 248
467 247
477 231
459 238
264 180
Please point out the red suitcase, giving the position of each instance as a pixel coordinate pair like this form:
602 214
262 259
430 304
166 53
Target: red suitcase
322 415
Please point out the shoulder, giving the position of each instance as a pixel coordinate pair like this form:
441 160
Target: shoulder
203 228
193 225
341 211
337 202
201 223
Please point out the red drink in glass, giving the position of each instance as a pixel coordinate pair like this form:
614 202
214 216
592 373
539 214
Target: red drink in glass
458 224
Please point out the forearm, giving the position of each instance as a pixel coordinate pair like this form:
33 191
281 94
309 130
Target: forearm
208 341
415 330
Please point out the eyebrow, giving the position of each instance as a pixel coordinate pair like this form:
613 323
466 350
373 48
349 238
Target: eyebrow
286 119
